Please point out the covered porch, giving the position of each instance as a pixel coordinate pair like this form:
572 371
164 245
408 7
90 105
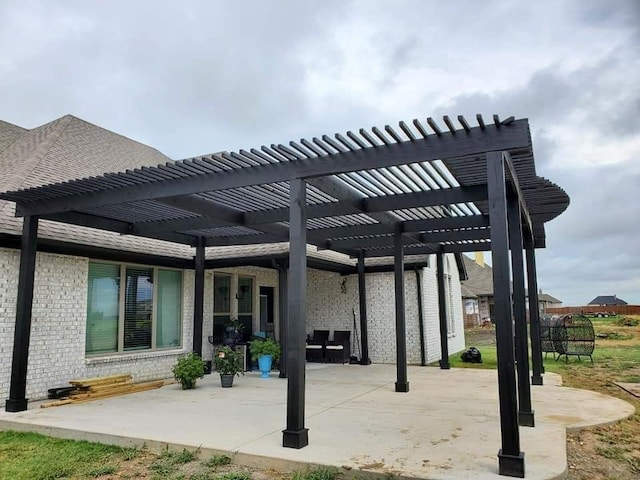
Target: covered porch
418 190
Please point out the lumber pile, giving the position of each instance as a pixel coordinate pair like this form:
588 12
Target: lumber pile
88 389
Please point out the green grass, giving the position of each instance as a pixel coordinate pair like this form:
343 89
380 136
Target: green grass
217 461
320 473
30 456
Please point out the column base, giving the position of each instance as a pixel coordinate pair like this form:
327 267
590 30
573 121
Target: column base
13 406
365 361
295 438
526 419
402 387
511 465
282 375
444 365
536 380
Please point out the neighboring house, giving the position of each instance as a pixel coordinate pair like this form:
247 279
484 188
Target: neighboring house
106 303
477 292
546 301
607 300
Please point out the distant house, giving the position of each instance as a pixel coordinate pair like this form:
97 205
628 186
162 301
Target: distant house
546 301
477 292
607 300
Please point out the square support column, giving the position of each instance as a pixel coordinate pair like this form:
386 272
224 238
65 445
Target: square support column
296 435
402 385
362 302
282 313
198 297
442 313
525 412
510 458
534 313
17 401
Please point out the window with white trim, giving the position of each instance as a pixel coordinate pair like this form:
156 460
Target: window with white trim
132 308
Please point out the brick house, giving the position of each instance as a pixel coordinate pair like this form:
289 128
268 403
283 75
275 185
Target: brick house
107 303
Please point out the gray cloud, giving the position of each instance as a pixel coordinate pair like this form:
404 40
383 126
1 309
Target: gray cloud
195 77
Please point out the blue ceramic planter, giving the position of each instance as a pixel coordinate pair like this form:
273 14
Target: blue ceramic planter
264 363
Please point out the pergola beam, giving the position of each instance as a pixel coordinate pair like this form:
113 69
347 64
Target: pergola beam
369 205
448 145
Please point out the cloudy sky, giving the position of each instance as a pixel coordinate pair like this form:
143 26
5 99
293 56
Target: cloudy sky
194 77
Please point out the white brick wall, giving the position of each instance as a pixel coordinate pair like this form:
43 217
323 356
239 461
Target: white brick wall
57 352
58 328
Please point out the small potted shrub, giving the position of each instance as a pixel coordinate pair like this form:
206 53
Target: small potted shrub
265 351
228 363
188 369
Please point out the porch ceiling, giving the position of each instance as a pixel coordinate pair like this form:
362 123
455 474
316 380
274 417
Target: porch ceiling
423 180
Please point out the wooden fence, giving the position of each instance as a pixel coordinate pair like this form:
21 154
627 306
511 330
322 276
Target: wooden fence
617 309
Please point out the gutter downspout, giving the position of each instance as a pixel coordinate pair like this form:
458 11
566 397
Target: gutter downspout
423 353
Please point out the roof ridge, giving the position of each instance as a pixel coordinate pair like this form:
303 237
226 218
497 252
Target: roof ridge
40 151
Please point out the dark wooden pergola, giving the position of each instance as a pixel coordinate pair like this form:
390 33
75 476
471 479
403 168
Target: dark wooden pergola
419 189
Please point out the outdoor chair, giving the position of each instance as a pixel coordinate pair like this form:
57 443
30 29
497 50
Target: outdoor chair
315 349
339 350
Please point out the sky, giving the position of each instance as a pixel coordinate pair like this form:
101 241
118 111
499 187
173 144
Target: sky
195 77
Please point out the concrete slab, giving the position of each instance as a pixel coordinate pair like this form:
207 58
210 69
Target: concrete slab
445 428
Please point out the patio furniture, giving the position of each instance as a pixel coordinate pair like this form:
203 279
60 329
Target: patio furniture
315 349
567 335
339 350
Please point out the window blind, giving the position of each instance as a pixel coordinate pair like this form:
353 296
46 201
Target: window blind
102 308
138 307
169 309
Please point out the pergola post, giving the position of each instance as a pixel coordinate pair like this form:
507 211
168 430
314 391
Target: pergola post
402 385
442 313
282 318
534 313
296 435
17 401
525 412
510 458
198 296
362 302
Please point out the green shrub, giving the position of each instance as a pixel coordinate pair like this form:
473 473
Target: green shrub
228 362
264 347
188 369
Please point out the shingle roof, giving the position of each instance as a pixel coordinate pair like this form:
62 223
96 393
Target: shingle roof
67 148
607 300
9 133
545 297
480 281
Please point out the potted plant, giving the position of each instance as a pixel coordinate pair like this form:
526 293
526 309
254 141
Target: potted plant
228 363
266 351
188 369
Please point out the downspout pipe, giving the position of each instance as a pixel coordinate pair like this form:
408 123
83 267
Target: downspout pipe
423 353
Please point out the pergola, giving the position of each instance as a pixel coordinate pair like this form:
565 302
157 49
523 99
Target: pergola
418 189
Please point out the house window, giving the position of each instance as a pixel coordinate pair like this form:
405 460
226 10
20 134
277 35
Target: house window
143 312
245 306
221 306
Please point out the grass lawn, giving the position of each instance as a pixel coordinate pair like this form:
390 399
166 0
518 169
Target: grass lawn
609 452
30 456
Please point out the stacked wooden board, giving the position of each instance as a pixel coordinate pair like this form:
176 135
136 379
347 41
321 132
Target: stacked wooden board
88 389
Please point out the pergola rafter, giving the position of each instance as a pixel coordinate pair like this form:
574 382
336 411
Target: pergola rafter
392 193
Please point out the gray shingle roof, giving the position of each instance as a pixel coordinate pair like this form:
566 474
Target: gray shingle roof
65 149
545 297
480 281
607 300
9 133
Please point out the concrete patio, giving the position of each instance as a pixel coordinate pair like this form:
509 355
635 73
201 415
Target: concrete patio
446 427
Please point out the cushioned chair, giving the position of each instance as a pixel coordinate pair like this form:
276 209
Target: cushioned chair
315 350
339 350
